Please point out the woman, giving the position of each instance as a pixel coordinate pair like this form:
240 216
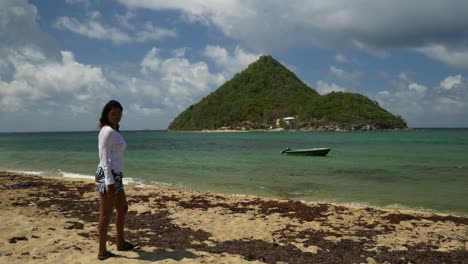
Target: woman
109 178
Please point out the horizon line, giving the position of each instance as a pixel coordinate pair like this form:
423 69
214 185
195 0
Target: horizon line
162 130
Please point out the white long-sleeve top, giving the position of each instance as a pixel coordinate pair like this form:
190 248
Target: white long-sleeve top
111 148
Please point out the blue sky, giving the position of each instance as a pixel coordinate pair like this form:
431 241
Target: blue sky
61 61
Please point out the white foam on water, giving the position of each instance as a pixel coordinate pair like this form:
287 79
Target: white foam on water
135 182
408 208
76 175
26 172
394 206
161 184
91 177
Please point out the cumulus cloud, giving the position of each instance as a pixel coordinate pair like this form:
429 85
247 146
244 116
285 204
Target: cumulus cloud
150 62
453 82
418 88
168 85
227 62
38 82
384 93
422 105
38 79
67 89
325 88
178 81
384 25
454 56
43 91
180 52
19 27
453 94
46 94
342 74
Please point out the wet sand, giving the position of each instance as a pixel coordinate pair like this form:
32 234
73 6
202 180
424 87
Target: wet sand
54 220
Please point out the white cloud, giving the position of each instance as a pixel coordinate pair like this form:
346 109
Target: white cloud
38 78
230 63
170 84
150 62
19 27
179 52
84 2
180 74
421 105
66 90
384 93
453 94
449 105
418 88
410 105
373 26
403 76
173 83
456 57
376 51
125 19
93 29
453 82
401 81
341 58
44 90
342 74
325 88
41 88
146 111
151 32
44 84
45 94
206 11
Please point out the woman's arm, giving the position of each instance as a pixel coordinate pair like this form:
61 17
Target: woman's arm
105 146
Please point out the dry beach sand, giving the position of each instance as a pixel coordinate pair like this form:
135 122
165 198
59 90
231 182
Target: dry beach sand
54 220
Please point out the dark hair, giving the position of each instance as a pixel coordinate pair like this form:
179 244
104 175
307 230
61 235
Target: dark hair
104 121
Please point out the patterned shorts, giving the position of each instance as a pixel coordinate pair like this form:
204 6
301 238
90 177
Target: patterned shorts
101 182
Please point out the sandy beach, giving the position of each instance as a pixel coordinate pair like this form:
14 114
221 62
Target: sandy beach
54 220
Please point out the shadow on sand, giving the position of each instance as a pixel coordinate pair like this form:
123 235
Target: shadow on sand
161 254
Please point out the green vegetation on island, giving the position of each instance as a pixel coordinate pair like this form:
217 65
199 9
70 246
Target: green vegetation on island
265 93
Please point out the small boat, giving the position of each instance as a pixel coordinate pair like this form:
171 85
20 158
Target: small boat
307 152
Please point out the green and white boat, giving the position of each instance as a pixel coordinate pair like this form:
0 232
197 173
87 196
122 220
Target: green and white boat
307 152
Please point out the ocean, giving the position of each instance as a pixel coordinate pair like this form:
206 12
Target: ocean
423 169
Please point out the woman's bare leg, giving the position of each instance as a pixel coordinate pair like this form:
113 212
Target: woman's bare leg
121 207
105 214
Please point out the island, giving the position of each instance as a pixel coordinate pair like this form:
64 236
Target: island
267 96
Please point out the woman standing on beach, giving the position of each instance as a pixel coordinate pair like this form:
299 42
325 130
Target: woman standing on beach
109 178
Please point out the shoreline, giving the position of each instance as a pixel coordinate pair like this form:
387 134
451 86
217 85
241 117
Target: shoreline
163 185
54 220
286 130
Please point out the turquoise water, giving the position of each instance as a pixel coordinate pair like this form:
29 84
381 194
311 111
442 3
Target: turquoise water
423 169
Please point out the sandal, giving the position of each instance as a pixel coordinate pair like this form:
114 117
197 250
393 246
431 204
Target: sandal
106 256
128 246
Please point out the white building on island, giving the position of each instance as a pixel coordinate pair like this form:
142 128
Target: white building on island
288 120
